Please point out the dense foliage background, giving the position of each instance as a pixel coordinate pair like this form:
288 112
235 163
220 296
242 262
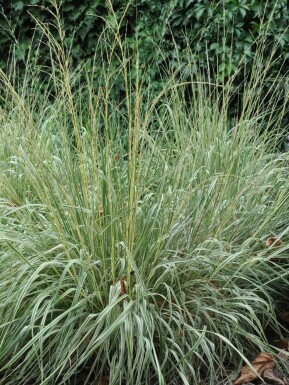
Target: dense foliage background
173 36
218 32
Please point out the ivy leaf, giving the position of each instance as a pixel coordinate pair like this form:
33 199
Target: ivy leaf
243 12
200 12
18 6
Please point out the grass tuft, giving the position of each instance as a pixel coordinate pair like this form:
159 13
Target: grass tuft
133 232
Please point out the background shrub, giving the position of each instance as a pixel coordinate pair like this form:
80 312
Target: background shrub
218 32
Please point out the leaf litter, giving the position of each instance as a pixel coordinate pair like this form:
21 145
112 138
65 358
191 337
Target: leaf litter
263 367
262 362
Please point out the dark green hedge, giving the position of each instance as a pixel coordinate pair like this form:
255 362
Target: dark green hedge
218 32
80 21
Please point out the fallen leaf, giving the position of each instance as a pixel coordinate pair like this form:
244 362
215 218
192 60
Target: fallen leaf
116 157
261 363
282 344
269 376
102 381
283 356
14 203
284 359
123 285
274 241
284 316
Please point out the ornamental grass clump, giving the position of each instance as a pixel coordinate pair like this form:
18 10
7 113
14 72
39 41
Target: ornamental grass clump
133 227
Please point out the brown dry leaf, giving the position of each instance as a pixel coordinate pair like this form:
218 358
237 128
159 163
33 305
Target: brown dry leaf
102 381
116 156
284 358
274 241
14 203
261 363
284 316
270 376
123 285
282 344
